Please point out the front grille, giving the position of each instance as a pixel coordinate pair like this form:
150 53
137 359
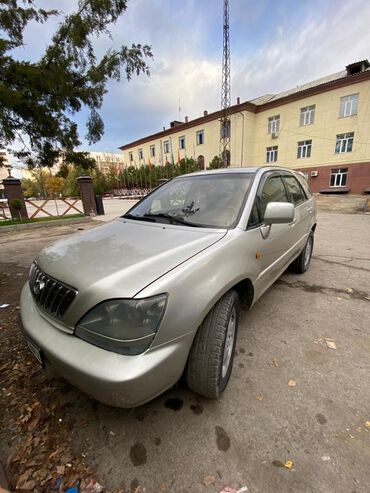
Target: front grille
52 295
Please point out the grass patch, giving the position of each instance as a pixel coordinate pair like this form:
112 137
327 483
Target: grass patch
12 222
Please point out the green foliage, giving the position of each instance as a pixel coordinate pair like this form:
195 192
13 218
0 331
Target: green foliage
38 98
100 183
71 187
17 204
11 222
79 159
216 163
30 188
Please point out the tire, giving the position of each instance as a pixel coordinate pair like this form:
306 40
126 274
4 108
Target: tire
302 262
212 353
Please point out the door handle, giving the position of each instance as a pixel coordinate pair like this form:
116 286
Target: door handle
310 209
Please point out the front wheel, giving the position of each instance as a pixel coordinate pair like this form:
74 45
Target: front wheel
211 356
302 262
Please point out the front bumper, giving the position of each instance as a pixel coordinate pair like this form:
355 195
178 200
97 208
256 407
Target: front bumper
117 380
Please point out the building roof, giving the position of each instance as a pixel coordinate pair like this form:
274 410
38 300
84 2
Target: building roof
315 83
354 72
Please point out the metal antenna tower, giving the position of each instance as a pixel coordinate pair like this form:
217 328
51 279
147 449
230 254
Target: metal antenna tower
225 91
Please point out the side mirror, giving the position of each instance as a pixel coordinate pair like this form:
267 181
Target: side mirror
279 213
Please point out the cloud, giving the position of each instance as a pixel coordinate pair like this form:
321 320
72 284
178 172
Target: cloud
319 46
275 46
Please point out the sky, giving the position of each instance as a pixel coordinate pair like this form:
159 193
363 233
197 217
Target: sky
275 45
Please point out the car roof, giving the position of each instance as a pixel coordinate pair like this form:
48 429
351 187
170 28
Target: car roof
249 169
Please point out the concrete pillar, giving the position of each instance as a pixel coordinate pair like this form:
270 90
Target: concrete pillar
13 190
87 195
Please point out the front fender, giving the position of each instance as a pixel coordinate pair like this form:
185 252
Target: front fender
195 286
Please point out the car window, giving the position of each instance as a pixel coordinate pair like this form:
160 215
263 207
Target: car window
296 192
254 218
207 200
303 182
273 191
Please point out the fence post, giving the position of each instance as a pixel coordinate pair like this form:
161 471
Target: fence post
87 195
13 190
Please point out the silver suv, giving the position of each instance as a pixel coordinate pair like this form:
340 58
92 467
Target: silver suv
123 310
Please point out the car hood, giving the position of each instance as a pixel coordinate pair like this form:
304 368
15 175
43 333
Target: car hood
121 258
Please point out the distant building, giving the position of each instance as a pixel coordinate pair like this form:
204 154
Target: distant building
321 128
106 160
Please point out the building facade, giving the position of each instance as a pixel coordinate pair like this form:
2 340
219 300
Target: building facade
321 128
106 160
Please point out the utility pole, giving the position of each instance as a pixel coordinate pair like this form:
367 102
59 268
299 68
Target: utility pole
225 90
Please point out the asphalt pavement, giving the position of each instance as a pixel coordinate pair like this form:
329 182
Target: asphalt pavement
296 414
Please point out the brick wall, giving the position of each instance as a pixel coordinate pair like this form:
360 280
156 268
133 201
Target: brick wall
358 178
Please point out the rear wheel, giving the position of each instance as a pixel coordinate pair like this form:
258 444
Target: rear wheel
211 356
302 262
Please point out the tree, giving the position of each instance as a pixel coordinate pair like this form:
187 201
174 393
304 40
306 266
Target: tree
216 163
39 98
54 185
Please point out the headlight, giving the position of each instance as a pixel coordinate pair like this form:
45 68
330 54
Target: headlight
123 326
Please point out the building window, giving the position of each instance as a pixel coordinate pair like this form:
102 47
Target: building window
273 125
344 143
141 155
226 130
152 151
348 105
307 115
200 137
130 157
304 149
166 146
182 142
271 154
338 177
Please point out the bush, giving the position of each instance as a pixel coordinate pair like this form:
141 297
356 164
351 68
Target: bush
216 163
17 204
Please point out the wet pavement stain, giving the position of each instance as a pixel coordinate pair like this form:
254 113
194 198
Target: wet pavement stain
222 439
241 365
321 419
241 350
318 288
157 441
250 354
197 409
174 403
138 454
139 416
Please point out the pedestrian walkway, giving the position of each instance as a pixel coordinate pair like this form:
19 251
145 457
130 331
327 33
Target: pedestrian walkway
114 208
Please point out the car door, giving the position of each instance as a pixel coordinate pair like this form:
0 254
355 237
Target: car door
301 225
272 242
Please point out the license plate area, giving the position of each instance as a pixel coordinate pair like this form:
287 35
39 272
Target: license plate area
36 351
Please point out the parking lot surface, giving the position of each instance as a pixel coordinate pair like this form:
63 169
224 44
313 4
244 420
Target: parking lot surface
290 398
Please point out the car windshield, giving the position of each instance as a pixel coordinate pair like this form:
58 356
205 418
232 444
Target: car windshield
208 200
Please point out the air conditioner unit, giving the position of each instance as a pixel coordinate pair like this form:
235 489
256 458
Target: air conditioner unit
314 173
274 135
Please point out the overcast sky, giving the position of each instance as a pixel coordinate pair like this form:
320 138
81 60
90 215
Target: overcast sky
275 45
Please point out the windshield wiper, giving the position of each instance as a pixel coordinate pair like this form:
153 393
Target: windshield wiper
138 218
171 219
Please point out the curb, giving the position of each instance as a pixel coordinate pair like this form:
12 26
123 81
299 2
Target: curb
44 224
